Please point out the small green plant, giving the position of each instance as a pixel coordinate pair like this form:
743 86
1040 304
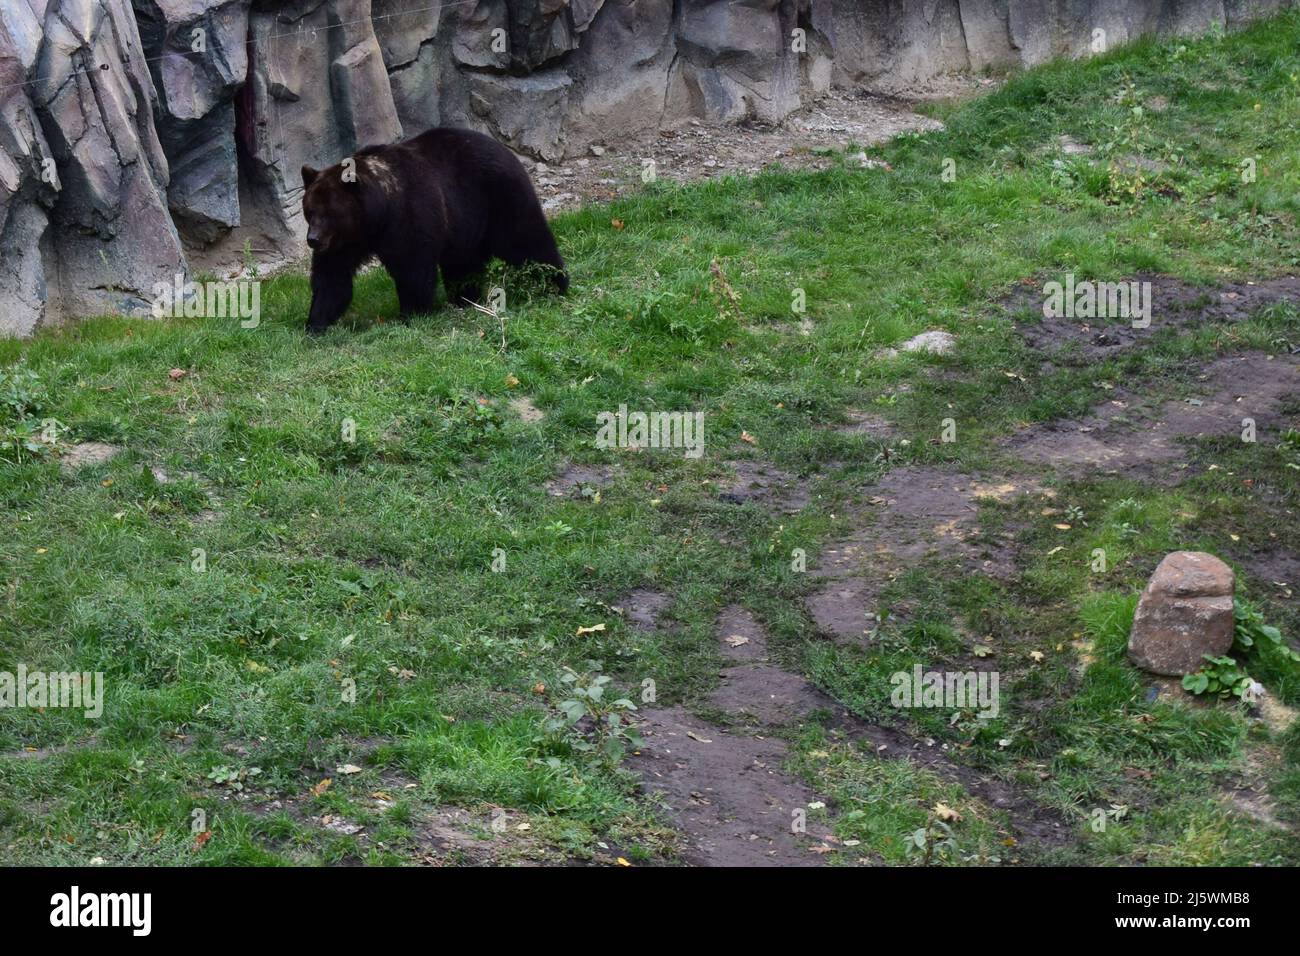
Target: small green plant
1222 676
596 724
22 399
935 840
233 778
1251 631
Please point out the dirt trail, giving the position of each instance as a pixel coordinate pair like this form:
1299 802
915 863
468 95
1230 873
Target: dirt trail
1135 436
1175 304
725 787
915 513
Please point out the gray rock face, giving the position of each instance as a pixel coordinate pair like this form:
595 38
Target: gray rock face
199 59
176 128
1184 613
85 223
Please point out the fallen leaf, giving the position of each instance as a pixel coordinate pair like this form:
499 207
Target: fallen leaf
946 813
736 640
694 736
177 374
348 769
748 438
202 839
321 787
1036 656
590 630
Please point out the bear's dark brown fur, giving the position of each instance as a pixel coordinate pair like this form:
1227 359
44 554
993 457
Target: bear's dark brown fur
448 199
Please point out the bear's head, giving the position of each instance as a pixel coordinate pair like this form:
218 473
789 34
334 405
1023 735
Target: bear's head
334 210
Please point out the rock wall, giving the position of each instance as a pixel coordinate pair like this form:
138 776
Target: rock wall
142 137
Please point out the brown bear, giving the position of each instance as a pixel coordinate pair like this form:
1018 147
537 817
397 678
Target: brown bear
448 199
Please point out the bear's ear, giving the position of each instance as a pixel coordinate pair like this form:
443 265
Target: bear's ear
309 176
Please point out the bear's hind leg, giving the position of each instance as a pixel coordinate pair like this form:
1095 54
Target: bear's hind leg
415 294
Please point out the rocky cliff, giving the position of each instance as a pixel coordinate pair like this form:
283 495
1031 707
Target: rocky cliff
139 138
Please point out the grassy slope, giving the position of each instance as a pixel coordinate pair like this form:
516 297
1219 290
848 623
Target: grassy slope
329 560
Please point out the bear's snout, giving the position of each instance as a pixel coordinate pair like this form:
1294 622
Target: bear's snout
314 240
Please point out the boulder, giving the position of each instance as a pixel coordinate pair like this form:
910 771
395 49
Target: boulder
1184 613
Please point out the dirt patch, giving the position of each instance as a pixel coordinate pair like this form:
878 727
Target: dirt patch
1279 569
1174 304
815 137
644 607
764 484
1247 792
741 638
452 836
726 790
752 689
526 410
869 424
727 793
919 513
1130 434
763 695
43 753
847 610
577 481
88 453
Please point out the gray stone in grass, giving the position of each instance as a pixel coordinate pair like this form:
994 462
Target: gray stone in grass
933 342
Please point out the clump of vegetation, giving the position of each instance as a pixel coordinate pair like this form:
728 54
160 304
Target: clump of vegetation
1251 633
22 402
595 723
1224 676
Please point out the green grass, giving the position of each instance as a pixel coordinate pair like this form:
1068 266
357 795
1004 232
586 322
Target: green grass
331 563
